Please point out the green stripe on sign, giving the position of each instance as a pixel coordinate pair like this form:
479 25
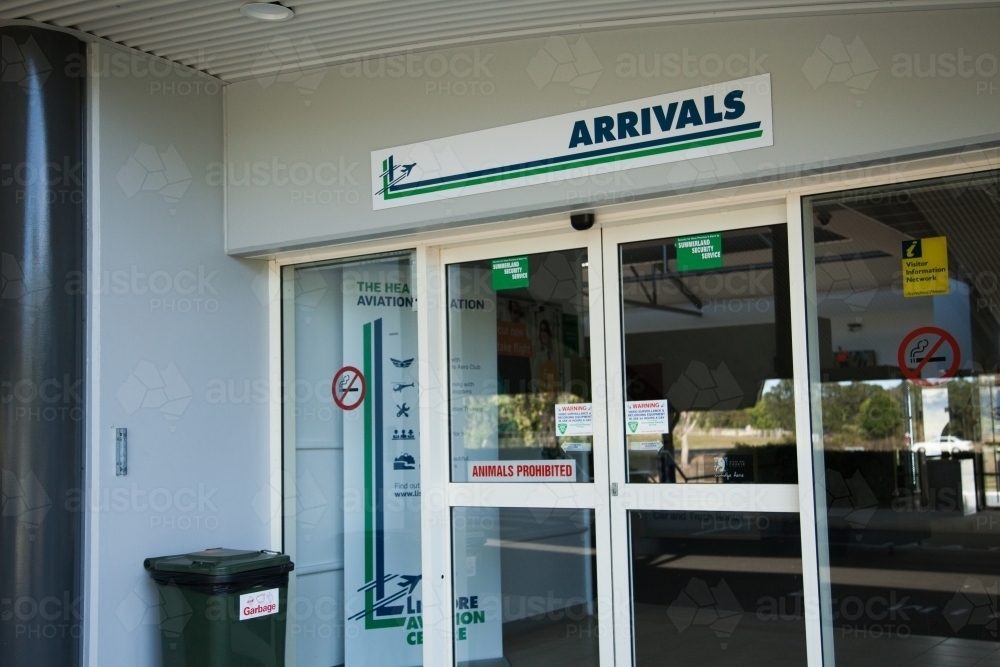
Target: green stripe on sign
580 163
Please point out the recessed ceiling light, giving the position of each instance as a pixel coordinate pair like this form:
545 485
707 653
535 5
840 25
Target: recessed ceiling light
266 11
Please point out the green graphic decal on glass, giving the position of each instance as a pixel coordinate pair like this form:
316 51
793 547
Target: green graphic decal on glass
510 273
695 253
376 599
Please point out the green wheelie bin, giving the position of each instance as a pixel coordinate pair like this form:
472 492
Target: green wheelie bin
222 607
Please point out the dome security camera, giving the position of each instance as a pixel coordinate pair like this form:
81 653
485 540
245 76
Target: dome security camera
582 221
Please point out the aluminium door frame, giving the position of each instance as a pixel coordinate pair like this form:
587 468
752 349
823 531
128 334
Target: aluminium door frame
436 478
706 497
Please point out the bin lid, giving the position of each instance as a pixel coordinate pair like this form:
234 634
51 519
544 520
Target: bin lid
218 561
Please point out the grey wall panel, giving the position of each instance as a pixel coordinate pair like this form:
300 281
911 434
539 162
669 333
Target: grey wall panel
846 90
183 345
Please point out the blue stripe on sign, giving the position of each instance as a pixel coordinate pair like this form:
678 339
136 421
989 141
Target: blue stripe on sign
577 156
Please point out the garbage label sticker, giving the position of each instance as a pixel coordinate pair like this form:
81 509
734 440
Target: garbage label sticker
574 419
925 267
259 603
646 417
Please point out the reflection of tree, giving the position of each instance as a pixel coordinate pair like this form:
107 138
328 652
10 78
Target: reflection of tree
686 424
861 413
513 420
480 423
963 410
879 415
775 410
529 420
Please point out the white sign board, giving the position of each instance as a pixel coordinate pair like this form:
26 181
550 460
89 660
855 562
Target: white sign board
574 419
563 470
259 603
646 417
696 123
382 570
646 446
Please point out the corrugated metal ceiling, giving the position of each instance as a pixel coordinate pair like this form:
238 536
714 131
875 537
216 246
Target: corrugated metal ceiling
212 35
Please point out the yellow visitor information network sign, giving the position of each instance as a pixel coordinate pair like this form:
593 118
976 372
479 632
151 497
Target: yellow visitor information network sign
925 267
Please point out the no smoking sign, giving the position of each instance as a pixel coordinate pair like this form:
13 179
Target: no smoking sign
928 345
349 388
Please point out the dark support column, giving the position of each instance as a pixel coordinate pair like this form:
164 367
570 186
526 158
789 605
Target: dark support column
42 300
782 302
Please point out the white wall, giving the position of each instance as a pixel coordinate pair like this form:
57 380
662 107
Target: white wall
178 352
326 123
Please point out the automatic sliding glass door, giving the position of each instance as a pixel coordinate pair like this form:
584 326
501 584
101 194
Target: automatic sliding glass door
703 445
529 527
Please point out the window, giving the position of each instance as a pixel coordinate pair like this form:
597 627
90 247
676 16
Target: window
352 454
519 356
904 354
707 341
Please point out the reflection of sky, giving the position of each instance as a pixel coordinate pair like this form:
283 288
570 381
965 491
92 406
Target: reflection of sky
769 385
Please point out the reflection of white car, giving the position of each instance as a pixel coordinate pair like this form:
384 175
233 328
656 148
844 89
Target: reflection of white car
943 443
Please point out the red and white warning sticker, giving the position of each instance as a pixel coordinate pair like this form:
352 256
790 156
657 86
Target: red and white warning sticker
259 603
563 470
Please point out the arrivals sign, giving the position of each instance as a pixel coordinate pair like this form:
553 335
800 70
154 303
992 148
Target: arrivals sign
719 118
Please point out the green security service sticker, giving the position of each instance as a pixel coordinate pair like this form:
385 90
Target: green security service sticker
510 273
695 253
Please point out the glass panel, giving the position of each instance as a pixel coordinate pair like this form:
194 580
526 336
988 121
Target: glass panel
357 459
717 588
708 358
525 587
519 352
905 345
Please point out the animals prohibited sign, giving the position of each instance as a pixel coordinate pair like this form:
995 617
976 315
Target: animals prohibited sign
349 388
928 345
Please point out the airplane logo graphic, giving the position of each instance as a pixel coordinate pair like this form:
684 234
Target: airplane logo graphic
390 174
